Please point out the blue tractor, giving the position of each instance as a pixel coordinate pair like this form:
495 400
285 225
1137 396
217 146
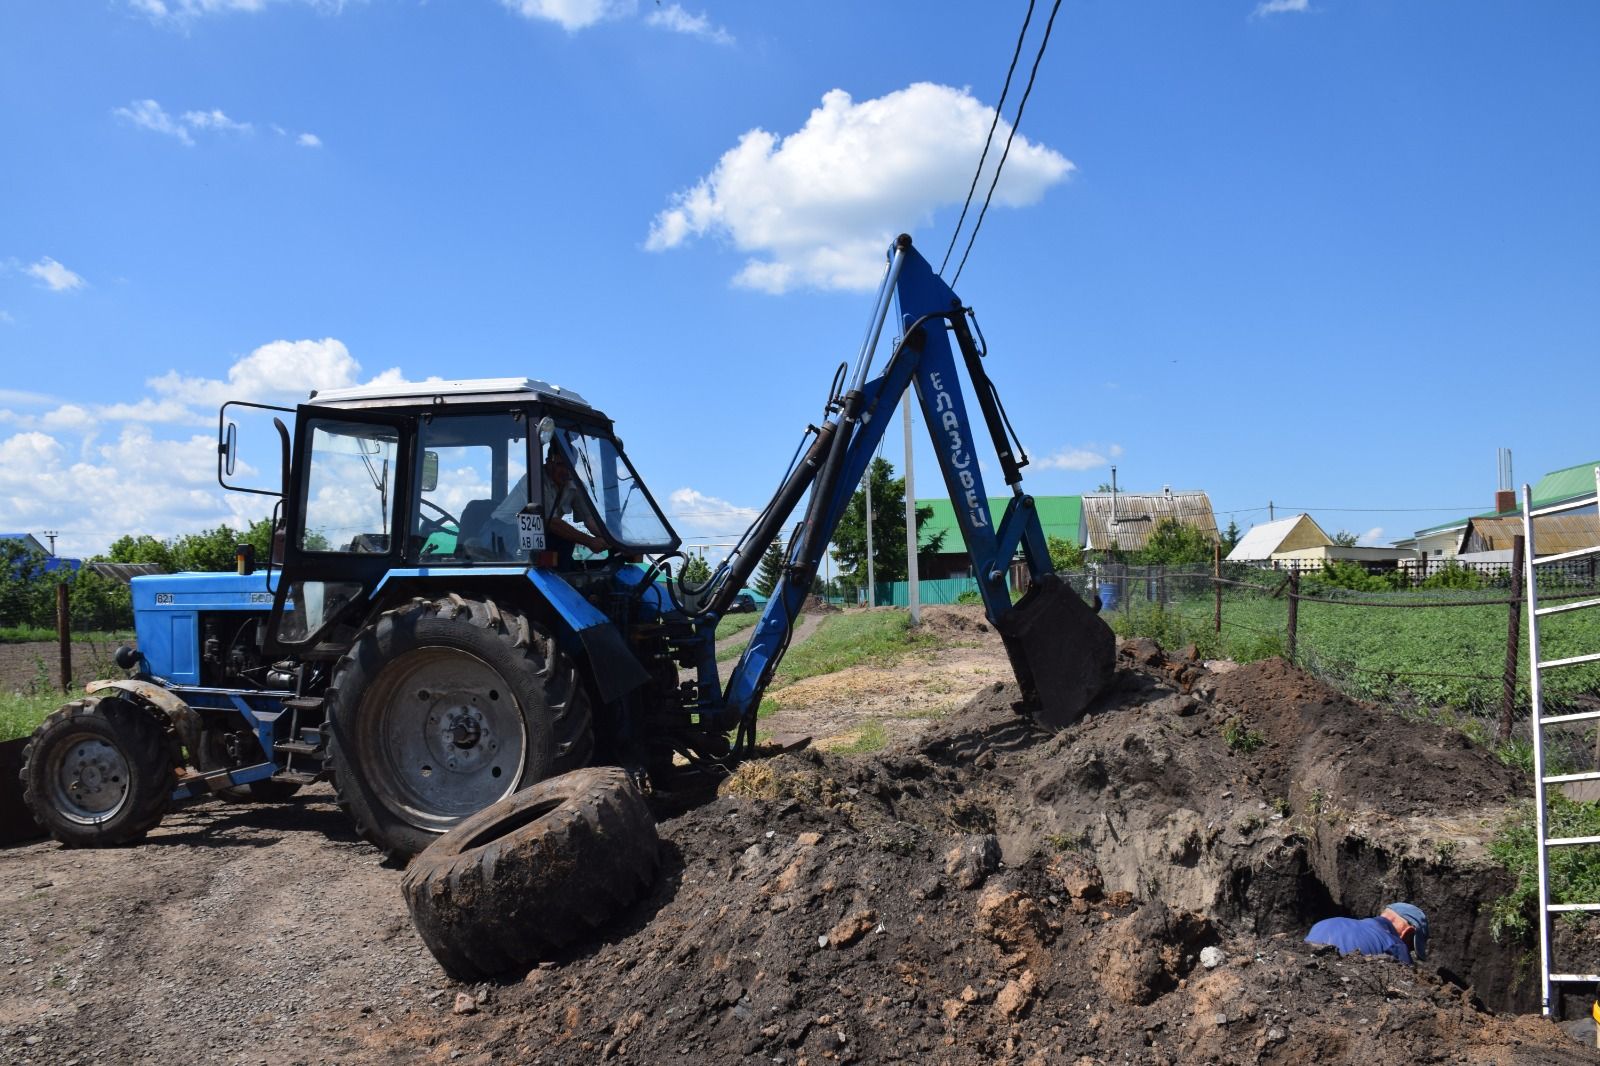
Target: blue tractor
458 603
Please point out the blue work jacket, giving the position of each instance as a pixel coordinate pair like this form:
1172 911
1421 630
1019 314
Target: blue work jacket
1369 936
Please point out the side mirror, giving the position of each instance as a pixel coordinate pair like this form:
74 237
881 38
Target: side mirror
230 448
430 471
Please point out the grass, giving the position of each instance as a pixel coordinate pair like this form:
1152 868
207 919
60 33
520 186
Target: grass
737 623
20 714
1439 656
36 634
870 736
1574 871
850 639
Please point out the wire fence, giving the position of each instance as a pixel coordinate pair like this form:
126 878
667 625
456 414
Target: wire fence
1458 643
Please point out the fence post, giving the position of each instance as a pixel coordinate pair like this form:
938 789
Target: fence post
1294 611
1216 583
64 635
1508 685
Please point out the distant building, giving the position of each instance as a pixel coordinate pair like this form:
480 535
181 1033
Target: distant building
1125 520
1490 540
1299 540
1569 491
28 541
1061 516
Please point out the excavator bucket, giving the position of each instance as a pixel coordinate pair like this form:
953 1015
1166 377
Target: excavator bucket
1062 653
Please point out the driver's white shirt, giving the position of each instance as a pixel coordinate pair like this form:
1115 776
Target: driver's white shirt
559 503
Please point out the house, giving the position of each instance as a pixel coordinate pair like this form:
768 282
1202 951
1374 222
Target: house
1570 490
1061 516
28 540
1123 521
1490 540
1299 540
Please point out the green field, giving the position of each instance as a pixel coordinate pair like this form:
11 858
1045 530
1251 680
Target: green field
1421 649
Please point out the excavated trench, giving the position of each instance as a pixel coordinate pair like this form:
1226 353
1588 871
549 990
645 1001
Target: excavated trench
1261 799
1133 888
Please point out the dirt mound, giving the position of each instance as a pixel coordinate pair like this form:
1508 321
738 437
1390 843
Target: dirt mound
1133 887
955 621
818 605
1319 743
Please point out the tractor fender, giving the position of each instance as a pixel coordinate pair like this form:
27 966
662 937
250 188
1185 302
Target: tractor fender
615 669
180 714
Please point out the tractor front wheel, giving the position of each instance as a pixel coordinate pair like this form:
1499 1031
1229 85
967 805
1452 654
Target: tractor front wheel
98 773
442 708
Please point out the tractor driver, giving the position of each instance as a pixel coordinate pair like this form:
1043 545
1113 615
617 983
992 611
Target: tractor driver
561 500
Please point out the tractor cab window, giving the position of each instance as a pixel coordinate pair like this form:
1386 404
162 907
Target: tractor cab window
472 466
350 488
614 492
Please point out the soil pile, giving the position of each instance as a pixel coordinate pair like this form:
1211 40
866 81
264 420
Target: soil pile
1132 888
955 622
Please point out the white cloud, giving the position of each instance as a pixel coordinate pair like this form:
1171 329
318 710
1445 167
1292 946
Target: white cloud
54 275
213 120
31 399
572 15
1373 536
675 18
5 317
60 454
696 515
308 140
281 370
1089 457
820 206
181 12
149 115
1278 7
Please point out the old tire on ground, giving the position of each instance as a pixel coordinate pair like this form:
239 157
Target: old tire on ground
533 873
98 773
441 708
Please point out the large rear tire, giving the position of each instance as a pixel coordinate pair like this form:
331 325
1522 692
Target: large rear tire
98 773
534 873
441 708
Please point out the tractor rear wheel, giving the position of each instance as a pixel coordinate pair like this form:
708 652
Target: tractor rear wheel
534 873
441 708
98 773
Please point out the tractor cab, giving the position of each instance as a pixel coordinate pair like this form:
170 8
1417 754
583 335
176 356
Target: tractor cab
403 481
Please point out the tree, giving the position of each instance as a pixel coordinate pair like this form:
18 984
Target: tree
1104 486
695 573
771 568
1230 537
212 549
1172 543
1346 539
27 596
141 549
888 529
1064 555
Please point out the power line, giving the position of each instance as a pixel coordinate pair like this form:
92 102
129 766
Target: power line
1016 123
987 141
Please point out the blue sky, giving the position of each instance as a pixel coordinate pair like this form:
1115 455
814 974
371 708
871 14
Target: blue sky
1299 252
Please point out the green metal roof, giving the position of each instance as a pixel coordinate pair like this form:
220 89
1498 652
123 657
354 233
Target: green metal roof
1561 485
1558 486
1061 516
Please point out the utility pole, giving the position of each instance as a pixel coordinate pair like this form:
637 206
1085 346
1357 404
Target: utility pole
866 487
1270 515
913 594
52 534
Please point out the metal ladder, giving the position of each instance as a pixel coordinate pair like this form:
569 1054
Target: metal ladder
1536 669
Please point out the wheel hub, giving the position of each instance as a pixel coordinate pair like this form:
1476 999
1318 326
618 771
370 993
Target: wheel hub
447 739
90 780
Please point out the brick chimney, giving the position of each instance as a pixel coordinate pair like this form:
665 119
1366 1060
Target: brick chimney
1505 500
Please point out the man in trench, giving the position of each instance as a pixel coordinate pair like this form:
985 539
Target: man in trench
1400 932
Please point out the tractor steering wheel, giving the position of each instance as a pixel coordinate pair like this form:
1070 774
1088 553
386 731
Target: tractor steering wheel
429 526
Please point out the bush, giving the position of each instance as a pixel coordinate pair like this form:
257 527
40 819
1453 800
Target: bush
1454 577
1574 871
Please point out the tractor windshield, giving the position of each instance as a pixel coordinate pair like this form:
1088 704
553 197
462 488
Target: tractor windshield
615 494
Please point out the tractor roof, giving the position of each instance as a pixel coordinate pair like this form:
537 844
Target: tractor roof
438 392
